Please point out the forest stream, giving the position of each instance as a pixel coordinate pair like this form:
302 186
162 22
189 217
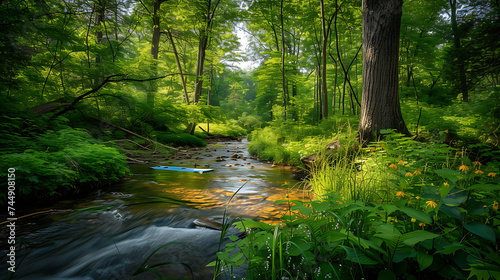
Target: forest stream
110 233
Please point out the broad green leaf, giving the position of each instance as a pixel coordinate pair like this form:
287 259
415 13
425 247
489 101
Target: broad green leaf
412 238
449 174
223 256
236 256
481 230
485 187
403 253
387 232
484 271
249 223
333 236
212 264
386 275
424 260
421 216
306 211
452 211
389 208
452 248
319 206
357 256
444 190
456 198
300 246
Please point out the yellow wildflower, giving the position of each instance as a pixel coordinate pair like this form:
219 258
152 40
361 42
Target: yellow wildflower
463 168
492 174
477 163
402 194
417 173
478 172
446 131
431 203
401 162
418 197
393 166
446 184
409 174
495 205
422 224
413 220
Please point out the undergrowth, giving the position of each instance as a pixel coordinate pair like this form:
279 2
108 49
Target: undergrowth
397 209
55 162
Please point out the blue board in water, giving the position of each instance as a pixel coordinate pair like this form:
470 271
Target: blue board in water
185 169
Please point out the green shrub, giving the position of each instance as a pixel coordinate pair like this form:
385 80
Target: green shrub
228 128
288 142
60 161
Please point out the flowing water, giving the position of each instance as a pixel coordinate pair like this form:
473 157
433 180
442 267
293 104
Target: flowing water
110 233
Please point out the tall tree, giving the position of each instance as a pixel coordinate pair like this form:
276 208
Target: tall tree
283 51
324 43
380 108
458 50
155 49
209 9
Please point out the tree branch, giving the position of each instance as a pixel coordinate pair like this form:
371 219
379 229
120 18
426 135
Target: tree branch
108 79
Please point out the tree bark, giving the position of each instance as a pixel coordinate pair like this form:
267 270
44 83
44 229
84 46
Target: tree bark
457 45
283 74
204 37
186 96
380 108
324 101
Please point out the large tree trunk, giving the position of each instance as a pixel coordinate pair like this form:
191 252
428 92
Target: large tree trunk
380 108
155 50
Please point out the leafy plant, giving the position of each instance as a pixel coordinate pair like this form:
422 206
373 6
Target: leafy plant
59 161
433 215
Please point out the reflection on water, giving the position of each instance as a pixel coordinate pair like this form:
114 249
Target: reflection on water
109 234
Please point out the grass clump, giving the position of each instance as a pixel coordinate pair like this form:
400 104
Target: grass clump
287 143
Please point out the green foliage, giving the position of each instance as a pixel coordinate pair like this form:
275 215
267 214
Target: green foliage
430 212
229 127
466 123
179 139
58 161
287 142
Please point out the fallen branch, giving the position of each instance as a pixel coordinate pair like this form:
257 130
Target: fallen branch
136 160
136 135
128 140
